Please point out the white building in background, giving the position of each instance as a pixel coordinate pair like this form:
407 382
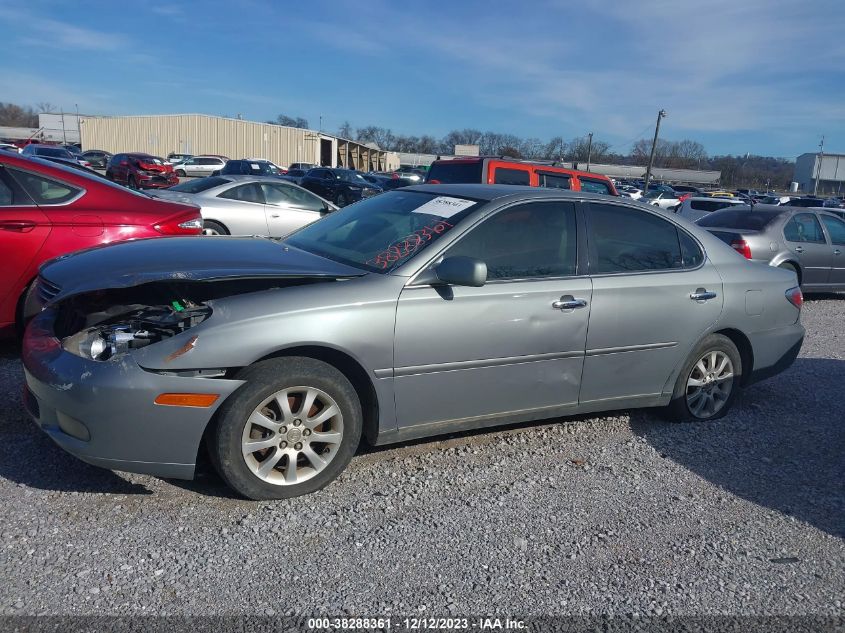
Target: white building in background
59 128
828 168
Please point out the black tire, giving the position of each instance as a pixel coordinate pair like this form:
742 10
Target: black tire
793 268
28 306
180 173
679 409
341 200
131 183
263 380
210 227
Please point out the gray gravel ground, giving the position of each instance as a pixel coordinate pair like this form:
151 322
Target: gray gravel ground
609 515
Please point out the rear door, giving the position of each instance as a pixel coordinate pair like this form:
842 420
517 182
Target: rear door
804 237
645 318
835 229
552 180
240 209
23 230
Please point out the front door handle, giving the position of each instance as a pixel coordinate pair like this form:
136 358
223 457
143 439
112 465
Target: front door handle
799 249
836 251
19 226
701 294
568 302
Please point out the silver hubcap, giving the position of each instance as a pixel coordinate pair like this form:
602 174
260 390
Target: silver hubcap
709 384
293 435
210 232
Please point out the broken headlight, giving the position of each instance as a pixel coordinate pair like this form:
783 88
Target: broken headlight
135 329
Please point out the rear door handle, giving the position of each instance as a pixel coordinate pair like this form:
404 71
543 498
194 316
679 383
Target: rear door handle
701 294
799 249
568 302
836 251
20 226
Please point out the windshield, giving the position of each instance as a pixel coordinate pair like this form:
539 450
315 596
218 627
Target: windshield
199 185
381 233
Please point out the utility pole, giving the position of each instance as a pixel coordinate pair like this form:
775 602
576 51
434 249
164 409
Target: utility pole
589 149
660 115
820 157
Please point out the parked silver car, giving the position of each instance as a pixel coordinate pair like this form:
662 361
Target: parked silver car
425 310
249 205
199 166
695 208
808 242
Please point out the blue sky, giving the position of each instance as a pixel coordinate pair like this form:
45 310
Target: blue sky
759 76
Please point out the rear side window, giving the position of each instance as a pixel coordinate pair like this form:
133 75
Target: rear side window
740 217
594 186
804 227
528 241
44 191
245 193
623 239
505 176
836 228
691 252
555 181
450 173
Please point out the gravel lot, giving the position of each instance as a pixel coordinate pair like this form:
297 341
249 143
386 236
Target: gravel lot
610 515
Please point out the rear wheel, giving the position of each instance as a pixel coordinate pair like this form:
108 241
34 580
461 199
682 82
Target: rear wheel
707 385
290 430
210 227
342 200
180 173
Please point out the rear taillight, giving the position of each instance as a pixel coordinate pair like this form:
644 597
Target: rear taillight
794 296
394 176
742 247
182 224
683 197
434 182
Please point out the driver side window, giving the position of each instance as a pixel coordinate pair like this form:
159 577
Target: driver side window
528 241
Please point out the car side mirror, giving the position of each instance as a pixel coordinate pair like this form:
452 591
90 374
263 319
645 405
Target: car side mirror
461 271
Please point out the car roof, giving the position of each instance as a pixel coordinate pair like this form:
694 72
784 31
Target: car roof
492 192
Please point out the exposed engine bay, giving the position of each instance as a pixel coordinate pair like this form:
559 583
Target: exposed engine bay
104 324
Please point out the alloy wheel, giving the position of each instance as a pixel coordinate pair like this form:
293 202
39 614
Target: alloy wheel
292 435
709 384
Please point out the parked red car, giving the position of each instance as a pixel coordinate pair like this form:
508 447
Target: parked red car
141 171
47 210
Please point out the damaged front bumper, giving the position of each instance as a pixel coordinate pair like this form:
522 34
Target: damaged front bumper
104 412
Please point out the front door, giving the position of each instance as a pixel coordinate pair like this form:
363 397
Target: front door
654 295
288 208
508 347
836 233
804 237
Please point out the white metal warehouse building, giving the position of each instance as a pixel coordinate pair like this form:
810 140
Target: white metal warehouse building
195 134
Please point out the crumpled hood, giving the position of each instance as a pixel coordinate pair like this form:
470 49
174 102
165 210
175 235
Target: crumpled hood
176 259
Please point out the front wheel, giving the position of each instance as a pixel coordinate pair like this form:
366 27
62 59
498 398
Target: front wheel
131 183
180 173
290 430
708 384
342 200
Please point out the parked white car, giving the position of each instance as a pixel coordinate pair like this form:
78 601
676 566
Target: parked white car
662 199
696 208
199 166
629 191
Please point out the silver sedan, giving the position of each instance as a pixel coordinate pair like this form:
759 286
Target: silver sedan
425 310
249 205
